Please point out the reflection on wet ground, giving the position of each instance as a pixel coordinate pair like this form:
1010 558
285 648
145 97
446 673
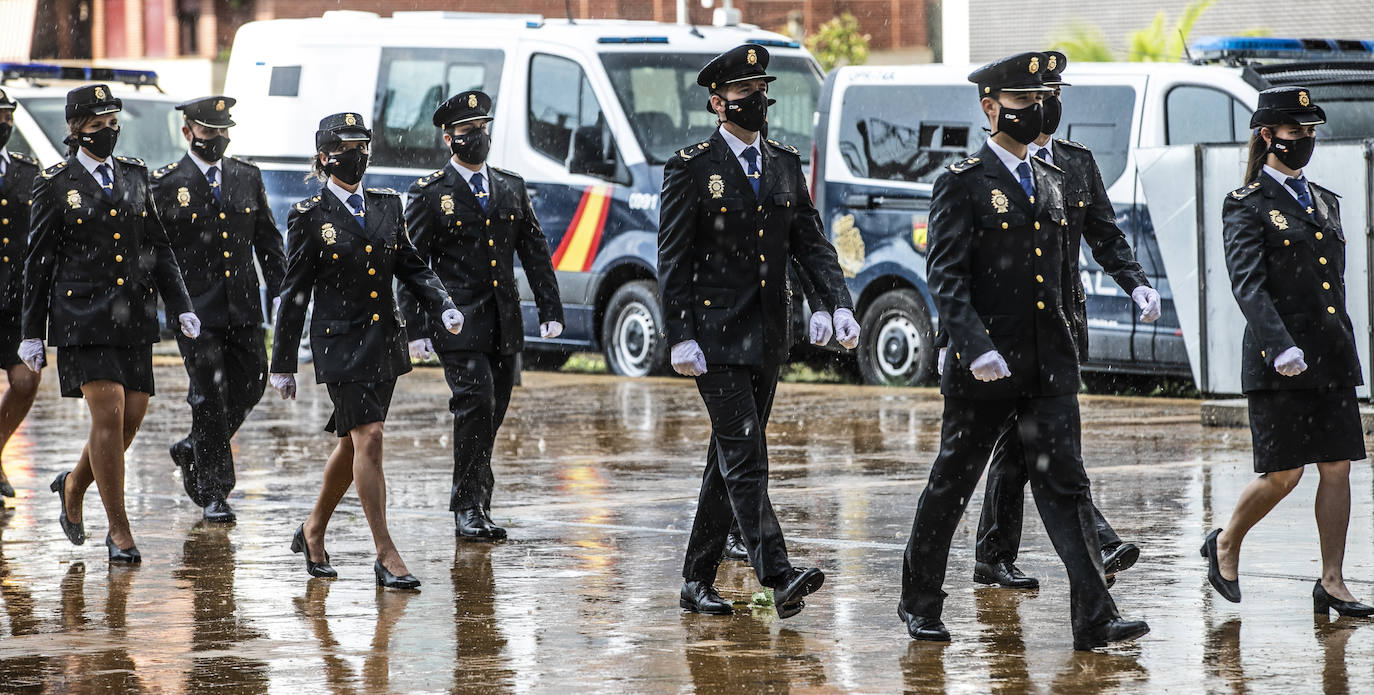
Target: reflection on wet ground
597 481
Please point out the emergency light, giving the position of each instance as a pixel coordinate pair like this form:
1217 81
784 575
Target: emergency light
1214 48
43 71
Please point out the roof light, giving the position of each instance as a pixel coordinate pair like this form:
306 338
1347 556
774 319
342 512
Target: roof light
776 43
43 71
633 39
1221 47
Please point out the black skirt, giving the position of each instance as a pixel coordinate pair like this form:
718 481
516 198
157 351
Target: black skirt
358 403
1291 429
130 365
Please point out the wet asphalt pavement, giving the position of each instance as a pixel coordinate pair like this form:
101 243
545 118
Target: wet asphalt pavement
596 481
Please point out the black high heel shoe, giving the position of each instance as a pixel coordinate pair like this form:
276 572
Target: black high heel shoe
1228 588
1323 603
76 532
123 556
6 490
387 580
315 569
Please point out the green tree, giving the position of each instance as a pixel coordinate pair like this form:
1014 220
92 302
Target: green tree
839 42
1083 43
1157 42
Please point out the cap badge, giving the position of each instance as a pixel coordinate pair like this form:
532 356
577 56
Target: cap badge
183 196
753 57
349 119
1278 219
716 186
472 101
219 105
446 204
1034 65
999 200
1053 60
100 93
1303 100
73 199
328 233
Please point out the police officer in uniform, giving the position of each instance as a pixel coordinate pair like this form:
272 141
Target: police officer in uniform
17 172
995 266
735 210
1092 217
469 221
217 217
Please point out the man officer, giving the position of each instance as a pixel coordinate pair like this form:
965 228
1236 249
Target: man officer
469 221
735 211
1092 217
217 218
995 264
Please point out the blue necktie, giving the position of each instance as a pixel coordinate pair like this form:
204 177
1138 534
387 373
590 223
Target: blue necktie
105 182
355 201
211 175
1299 186
478 191
1044 154
751 155
1023 173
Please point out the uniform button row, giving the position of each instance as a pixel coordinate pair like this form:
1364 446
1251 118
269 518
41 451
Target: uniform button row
1039 305
373 294
371 271
1326 285
1037 251
1331 310
494 283
1040 278
119 258
376 317
1322 260
224 235
1319 236
493 262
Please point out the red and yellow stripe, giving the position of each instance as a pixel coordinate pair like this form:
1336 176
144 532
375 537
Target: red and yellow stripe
578 248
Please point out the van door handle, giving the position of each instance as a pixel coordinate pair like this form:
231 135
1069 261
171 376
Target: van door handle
871 202
858 200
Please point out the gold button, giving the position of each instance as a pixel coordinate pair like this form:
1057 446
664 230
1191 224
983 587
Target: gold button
1263 354
69 293
145 213
368 248
119 281
1080 203
247 210
1319 236
193 217
4 201
1037 225
224 235
458 223
5 220
493 283
789 203
371 271
376 317
512 217
226 254
1285 242
493 263
1039 278
1331 310
488 223
1326 285
956 356
116 236
222 215
336 256
760 209
1037 251
5 240
763 283
374 294
1004 225
327 331
1322 260
760 233
761 258
114 213
119 258
226 273
7 259
491 242
79 220
722 209
707 302
1039 305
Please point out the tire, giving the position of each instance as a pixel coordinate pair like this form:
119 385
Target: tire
630 331
544 359
897 343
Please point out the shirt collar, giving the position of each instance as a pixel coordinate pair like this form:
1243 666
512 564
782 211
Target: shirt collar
203 165
342 194
5 157
737 146
1009 160
467 173
90 163
1033 150
1282 178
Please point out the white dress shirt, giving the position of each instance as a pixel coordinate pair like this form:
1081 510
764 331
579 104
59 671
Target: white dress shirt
737 146
1009 160
205 166
1282 178
90 163
1033 150
467 175
343 193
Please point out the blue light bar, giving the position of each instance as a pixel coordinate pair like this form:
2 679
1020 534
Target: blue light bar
43 71
531 24
776 43
633 39
1291 49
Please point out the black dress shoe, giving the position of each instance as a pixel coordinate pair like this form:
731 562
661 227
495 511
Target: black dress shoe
6 490
387 580
923 628
802 581
1119 558
1116 630
472 525
701 597
126 556
76 532
734 548
1323 603
1003 573
1228 588
315 569
219 512
497 533
182 453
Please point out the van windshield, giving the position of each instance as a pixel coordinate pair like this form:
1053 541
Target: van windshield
1349 110
149 129
667 109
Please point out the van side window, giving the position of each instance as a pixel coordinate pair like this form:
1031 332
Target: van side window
1100 117
410 84
1202 114
566 123
285 81
908 133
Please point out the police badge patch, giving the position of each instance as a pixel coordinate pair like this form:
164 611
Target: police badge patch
472 101
73 199
329 234
183 196
999 200
446 204
716 186
1278 219
350 120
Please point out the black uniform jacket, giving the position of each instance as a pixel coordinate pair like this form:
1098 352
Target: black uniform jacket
14 238
95 265
723 252
1287 273
356 331
995 268
473 252
215 241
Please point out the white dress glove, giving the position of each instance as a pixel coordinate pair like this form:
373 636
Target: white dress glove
1148 300
550 329
453 320
285 384
190 325
846 328
276 310
31 352
821 328
990 367
940 361
421 349
1290 362
688 359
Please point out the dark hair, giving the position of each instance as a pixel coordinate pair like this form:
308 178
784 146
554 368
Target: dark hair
1259 151
317 169
74 128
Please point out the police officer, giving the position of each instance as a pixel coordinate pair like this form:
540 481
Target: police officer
469 221
217 217
1285 251
995 264
735 210
17 172
97 260
345 246
1092 217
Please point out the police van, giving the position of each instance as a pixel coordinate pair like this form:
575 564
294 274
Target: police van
587 112
884 134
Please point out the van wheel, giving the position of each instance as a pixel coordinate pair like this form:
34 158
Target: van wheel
630 331
897 346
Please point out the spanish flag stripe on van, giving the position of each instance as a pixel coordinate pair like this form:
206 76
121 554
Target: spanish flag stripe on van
577 249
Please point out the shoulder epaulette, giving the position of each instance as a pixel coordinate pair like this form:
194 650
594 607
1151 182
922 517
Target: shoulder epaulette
1071 143
20 156
131 160
687 153
53 170
784 148
242 161
964 165
308 204
1247 189
507 172
165 170
429 179
1323 188
383 191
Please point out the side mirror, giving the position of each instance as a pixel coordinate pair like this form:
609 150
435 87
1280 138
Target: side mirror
590 155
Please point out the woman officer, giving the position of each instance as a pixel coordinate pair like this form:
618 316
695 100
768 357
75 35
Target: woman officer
98 258
345 245
1286 255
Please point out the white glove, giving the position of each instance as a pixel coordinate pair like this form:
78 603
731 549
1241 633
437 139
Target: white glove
688 359
822 327
421 349
276 309
453 320
846 328
190 325
31 352
1148 300
1290 362
285 384
940 362
990 367
550 329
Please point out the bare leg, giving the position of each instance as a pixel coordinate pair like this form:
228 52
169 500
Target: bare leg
135 407
1333 517
338 475
114 421
1255 501
15 404
367 470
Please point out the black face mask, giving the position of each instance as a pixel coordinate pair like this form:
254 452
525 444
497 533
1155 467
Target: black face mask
471 147
749 113
209 149
1295 154
1054 111
5 131
101 143
347 166
1023 125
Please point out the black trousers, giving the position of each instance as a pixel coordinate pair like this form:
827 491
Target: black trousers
734 486
227 368
1049 434
481 385
999 527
